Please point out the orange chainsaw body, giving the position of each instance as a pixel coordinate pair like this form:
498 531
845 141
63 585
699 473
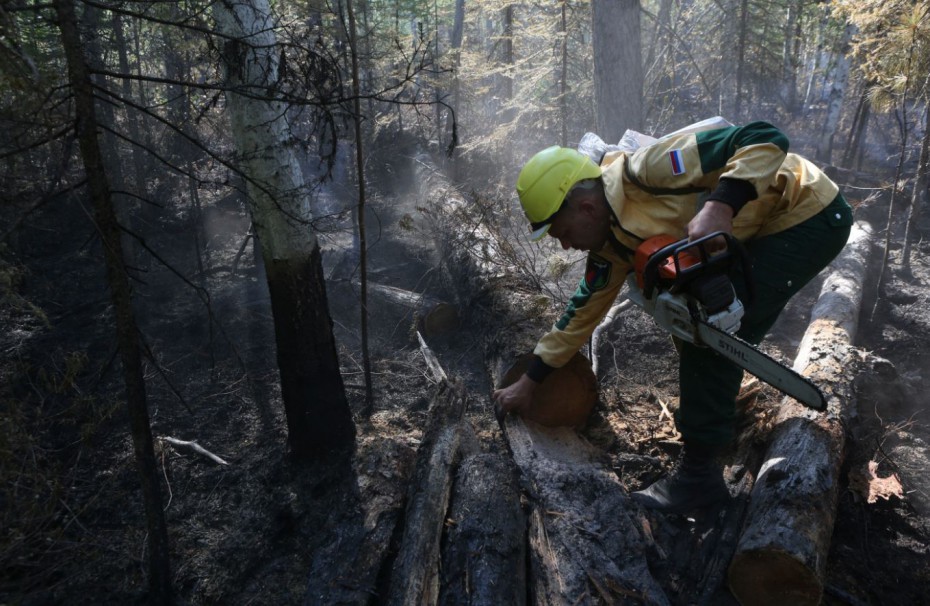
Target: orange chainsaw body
667 270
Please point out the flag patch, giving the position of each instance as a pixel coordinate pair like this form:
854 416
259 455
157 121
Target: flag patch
678 165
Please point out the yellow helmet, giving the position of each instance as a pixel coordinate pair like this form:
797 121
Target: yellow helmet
545 181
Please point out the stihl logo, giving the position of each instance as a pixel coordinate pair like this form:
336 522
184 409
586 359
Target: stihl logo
728 347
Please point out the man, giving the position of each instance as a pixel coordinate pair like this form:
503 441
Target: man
791 218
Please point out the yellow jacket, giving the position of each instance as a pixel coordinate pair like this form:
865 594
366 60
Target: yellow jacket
660 188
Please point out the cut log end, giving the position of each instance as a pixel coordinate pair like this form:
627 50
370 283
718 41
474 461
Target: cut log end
439 319
565 398
771 578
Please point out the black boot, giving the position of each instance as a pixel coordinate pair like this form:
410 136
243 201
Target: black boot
696 482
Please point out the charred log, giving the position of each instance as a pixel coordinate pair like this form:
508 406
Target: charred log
484 555
415 576
584 544
346 570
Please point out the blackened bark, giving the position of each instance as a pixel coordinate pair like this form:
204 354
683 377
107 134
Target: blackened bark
484 554
318 417
126 330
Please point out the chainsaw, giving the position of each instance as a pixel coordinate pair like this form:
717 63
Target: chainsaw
688 292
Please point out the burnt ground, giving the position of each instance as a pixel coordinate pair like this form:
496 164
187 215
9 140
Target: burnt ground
253 531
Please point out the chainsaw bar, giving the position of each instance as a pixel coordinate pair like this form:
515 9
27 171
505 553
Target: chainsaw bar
762 365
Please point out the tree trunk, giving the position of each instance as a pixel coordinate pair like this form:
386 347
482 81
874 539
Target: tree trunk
782 554
790 61
431 315
618 67
563 74
919 194
852 155
824 152
741 44
508 60
360 215
120 293
318 416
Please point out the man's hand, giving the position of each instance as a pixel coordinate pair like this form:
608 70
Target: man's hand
516 397
713 217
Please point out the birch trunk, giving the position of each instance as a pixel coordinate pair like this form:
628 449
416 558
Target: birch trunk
318 415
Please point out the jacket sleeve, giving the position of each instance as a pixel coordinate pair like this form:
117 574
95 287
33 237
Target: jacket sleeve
592 300
737 164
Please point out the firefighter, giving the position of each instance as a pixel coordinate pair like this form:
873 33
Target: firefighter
741 180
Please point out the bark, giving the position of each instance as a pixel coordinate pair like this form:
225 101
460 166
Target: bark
741 44
484 557
415 576
781 556
790 59
563 74
362 534
618 67
120 293
508 60
318 416
584 544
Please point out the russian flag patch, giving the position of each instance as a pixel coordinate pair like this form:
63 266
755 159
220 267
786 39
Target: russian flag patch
678 165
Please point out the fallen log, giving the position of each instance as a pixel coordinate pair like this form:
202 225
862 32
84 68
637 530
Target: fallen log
431 315
484 557
782 552
415 575
584 545
346 569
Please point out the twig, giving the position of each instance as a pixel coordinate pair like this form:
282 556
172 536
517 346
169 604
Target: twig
665 412
195 447
432 361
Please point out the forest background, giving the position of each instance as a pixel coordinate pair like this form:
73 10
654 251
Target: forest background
222 223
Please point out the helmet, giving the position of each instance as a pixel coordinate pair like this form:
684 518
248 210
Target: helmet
545 181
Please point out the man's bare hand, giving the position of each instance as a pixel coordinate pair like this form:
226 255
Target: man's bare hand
714 216
516 397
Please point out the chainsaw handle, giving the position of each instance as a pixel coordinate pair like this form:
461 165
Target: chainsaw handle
704 260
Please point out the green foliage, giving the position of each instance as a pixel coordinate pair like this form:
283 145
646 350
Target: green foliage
891 45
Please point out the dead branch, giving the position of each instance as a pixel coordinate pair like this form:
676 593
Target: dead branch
190 445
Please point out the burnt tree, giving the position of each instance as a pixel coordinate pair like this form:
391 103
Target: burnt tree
318 416
108 229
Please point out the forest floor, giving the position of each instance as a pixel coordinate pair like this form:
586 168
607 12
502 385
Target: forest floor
253 531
